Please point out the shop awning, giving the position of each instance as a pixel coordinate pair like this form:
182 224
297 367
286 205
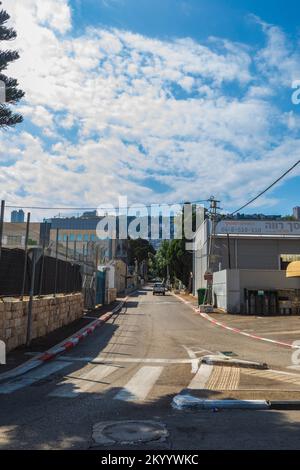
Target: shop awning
293 269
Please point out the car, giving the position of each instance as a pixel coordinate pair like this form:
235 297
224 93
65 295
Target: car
159 288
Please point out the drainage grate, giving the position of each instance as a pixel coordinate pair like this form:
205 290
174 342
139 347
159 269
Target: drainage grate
229 353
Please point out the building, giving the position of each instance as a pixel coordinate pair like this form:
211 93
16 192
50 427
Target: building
14 234
81 232
17 216
296 213
249 261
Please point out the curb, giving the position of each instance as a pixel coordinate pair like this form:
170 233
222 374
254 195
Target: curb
64 346
236 330
182 402
285 405
228 362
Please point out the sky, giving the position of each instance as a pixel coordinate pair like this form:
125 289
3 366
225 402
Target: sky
156 100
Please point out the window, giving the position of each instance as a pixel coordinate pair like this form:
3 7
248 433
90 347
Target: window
93 238
72 237
86 237
65 237
79 237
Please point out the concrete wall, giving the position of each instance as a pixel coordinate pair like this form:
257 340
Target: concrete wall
48 314
226 290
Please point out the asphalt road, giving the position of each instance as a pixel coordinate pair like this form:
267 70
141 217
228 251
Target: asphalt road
131 369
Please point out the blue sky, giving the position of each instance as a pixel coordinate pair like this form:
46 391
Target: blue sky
161 101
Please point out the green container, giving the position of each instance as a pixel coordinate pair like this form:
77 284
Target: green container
201 296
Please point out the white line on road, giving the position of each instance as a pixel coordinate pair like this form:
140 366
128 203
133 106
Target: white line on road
127 360
201 378
140 384
73 386
32 377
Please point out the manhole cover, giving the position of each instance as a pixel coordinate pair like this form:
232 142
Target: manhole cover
129 432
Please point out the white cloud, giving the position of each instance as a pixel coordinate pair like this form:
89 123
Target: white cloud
113 108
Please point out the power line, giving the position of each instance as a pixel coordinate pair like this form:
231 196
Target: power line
9 206
268 188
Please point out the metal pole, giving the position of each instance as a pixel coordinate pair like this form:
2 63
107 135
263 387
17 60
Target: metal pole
25 255
66 270
1 224
228 251
56 263
42 269
74 267
31 294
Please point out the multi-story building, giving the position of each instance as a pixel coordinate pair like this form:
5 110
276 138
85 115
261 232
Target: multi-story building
296 213
17 216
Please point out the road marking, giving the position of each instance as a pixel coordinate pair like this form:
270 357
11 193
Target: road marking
194 358
73 386
237 330
279 376
127 360
31 377
201 377
293 332
224 378
140 384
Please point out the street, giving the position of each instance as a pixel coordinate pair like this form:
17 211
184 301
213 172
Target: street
132 368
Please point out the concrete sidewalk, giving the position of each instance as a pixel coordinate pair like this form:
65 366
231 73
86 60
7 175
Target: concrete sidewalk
22 354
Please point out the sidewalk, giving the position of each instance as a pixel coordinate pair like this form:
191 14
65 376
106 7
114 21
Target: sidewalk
22 354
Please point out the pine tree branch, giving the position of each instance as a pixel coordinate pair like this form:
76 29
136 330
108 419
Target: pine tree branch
6 34
6 57
8 118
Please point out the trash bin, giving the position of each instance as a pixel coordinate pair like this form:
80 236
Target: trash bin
201 296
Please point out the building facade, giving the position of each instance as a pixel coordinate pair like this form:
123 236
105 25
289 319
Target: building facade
296 213
248 261
17 216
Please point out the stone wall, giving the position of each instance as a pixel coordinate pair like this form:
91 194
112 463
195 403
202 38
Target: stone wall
48 314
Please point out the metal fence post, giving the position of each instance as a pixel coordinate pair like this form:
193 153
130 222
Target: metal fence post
1 224
74 267
66 270
35 256
56 263
42 269
25 255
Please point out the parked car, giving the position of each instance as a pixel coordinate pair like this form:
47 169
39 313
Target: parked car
159 288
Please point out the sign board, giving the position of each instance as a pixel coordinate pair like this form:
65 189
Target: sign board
258 227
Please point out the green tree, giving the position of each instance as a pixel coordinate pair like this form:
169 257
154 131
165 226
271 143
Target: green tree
139 250
10 85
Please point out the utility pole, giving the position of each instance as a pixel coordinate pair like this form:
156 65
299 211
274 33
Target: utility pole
1 224
213 215
25 255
